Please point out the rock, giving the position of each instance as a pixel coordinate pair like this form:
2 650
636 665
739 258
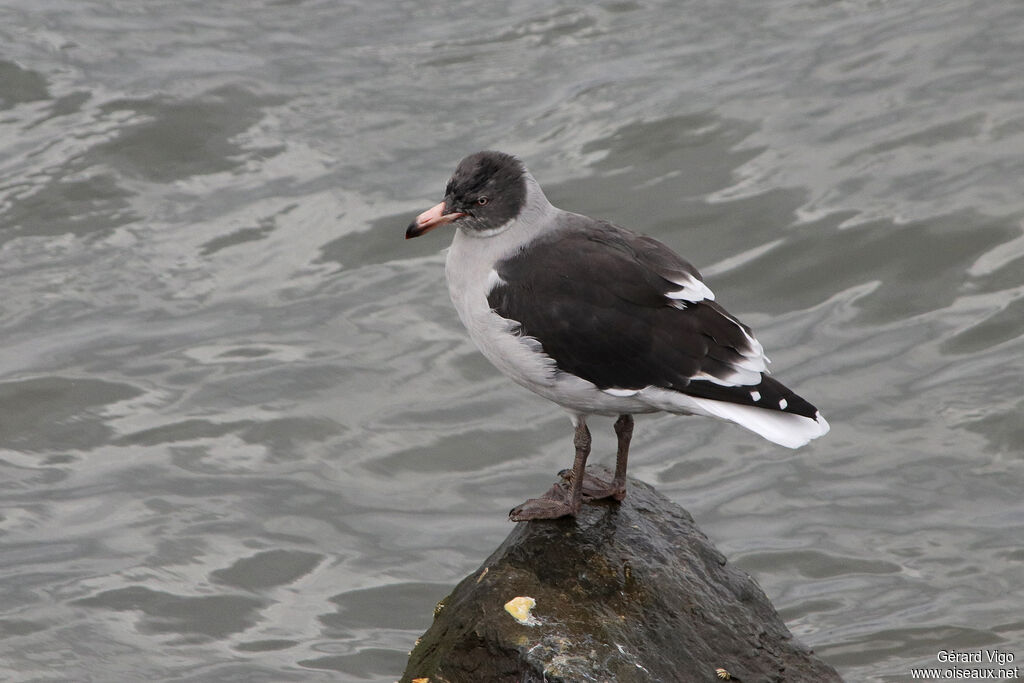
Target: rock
624 592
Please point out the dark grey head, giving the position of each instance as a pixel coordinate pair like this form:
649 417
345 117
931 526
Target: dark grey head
487 190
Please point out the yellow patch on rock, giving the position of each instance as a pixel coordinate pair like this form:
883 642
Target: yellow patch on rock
520 608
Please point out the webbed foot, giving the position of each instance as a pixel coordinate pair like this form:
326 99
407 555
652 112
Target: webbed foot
552 505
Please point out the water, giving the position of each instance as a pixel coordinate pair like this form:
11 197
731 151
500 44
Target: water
244 437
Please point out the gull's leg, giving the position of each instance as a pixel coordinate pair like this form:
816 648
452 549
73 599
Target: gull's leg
595 488
624 433
558 502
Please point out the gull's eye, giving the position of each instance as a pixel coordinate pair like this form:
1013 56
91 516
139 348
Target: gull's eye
482 201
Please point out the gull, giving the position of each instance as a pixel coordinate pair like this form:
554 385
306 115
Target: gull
599 320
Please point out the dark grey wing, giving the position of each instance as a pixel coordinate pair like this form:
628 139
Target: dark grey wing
624 312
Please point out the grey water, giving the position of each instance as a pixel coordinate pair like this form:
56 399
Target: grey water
243 435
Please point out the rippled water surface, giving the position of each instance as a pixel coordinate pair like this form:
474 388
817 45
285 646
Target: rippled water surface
243 435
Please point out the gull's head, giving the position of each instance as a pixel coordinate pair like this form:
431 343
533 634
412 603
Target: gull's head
487 191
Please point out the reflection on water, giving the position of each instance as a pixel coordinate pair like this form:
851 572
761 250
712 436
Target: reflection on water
243 435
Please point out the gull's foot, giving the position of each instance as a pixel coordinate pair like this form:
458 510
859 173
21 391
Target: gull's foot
552 505
595 488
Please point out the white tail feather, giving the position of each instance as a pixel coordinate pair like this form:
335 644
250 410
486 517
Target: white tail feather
785 429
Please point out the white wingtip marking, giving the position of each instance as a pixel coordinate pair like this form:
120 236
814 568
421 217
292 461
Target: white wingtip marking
622 393
740 377
692 290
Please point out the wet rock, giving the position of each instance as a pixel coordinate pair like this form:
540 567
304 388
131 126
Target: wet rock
628 592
